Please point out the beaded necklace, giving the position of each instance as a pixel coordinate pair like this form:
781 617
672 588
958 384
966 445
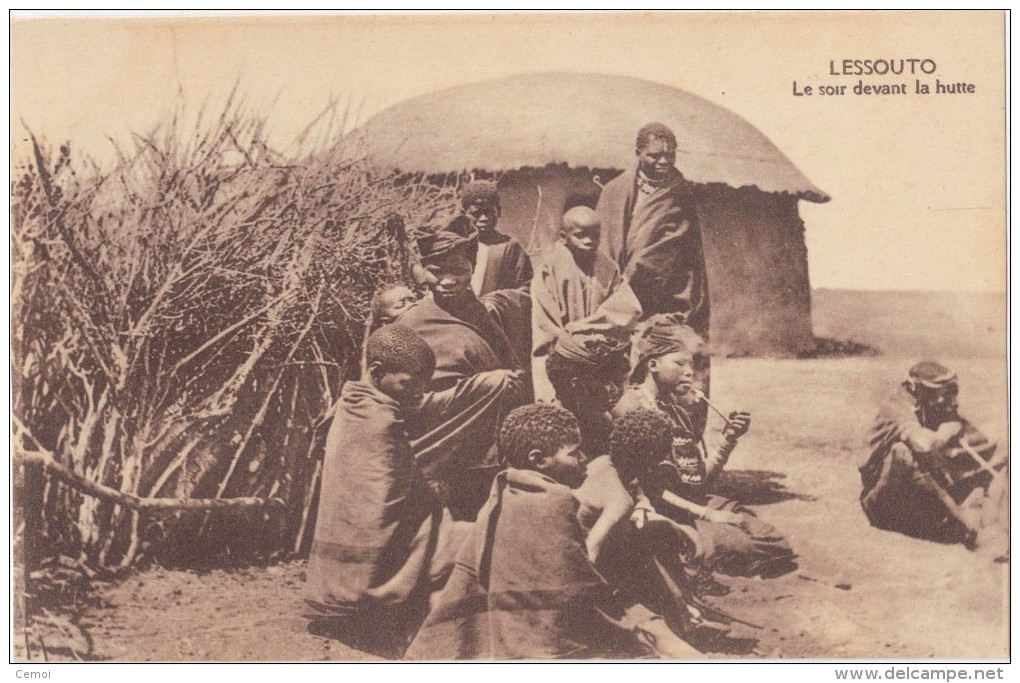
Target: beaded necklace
686 455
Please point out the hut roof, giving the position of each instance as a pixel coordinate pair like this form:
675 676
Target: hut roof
583 120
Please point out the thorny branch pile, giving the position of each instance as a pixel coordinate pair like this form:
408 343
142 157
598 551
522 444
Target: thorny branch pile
182 324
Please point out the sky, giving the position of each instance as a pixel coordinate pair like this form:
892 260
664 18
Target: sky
917 181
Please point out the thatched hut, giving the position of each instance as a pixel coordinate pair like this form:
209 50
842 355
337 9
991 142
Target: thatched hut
552 139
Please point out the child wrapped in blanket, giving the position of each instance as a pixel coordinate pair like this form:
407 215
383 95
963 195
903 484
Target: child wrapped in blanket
383 539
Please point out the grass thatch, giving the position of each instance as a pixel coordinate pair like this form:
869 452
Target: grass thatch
182 323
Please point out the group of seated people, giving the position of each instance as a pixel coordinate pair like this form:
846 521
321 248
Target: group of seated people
525 467
522 469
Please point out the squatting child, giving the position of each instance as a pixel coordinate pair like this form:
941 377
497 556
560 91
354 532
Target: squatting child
383 541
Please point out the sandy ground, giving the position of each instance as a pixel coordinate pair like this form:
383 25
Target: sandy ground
858 592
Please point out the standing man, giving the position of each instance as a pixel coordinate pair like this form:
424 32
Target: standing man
650 228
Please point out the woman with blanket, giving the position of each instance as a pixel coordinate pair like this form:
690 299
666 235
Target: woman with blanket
577 291
455 446
522 586
454 323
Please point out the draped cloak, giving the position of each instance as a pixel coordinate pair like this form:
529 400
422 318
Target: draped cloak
454 434
567 300
656 242
522 585
381 536
507 265
465 342
891 498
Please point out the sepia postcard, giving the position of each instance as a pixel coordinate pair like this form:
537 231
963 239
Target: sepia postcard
510 336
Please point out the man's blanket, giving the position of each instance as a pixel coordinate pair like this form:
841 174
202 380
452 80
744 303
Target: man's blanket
522 586
506 266
955 467
380 536
897 483
655 240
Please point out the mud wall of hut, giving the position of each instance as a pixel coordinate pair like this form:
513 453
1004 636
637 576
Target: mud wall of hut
757 272
754 251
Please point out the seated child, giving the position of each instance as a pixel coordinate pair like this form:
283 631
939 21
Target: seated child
587 377
647 564
655 560
927 464
735 541
383 541
579 291
522 586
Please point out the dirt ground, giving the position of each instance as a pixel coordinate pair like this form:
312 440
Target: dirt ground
858 592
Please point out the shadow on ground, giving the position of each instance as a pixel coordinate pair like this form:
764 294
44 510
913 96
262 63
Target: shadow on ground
371 638
756 487
712 642
837 348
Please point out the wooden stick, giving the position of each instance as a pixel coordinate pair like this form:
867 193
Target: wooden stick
132 502
977 458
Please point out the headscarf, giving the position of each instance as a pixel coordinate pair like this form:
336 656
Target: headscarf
666 333
931 375
458 234
569 349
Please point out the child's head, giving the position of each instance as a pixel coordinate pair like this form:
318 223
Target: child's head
400 363
581 231
389 302
666 351
640 439
587 376
545 438
479 200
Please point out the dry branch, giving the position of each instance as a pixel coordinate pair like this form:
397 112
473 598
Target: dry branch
132 502
183 322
